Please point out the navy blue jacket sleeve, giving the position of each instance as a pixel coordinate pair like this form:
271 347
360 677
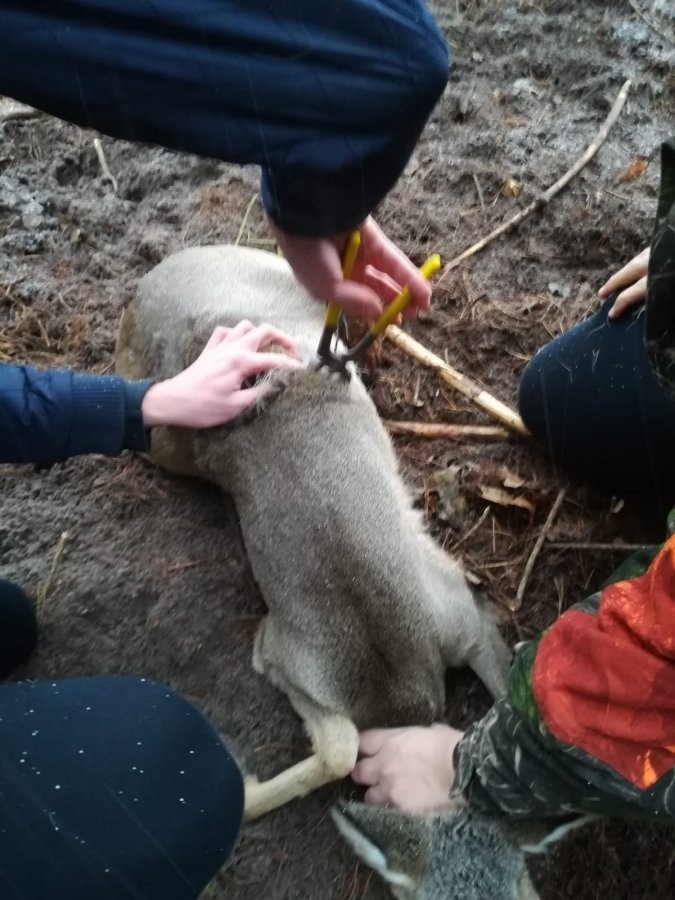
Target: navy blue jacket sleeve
328 96
46 417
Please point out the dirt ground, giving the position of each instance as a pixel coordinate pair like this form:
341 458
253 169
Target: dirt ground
154 579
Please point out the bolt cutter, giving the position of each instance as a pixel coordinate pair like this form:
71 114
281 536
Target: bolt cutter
337 362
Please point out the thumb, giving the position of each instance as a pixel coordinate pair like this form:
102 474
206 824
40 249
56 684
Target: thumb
317 267
358 299
246 397
220 333
258 363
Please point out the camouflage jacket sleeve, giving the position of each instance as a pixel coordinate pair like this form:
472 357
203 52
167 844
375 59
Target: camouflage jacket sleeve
510 763
588 724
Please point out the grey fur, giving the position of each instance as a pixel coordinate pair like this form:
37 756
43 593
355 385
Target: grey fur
365 612
456 854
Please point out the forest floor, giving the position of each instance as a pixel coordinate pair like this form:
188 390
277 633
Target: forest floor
154 579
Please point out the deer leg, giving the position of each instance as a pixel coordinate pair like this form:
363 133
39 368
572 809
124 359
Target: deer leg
335 741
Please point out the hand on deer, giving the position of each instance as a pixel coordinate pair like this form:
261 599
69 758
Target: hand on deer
379 273
209 392
410 768
633 279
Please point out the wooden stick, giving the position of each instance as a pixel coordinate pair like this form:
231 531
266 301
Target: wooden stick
366 886
454 432
103 162
45 589
589 545
495 408
12 112
551 192
529 565
183 566
240 233
474 528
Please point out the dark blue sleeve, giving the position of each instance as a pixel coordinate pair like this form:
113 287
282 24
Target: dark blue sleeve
329 98
46 417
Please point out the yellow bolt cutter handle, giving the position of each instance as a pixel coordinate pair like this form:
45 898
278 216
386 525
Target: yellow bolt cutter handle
399 303
388 315
333 311
348 260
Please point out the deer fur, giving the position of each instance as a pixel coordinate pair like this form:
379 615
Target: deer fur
453 854
365 612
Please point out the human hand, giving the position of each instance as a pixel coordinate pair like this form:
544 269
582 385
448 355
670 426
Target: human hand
209 392
379 273
633 277
410 768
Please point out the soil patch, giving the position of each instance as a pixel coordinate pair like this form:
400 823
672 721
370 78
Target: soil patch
154 579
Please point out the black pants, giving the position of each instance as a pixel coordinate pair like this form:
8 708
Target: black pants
590 396
111 788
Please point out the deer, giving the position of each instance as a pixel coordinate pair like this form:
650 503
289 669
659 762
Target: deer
365 613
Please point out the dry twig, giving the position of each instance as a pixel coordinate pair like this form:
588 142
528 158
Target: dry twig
13 112
551 192
454 432
589 545
103 162
495 408
366 886
184 566
529 565
45 588
474 528
480 196
240 233
353 883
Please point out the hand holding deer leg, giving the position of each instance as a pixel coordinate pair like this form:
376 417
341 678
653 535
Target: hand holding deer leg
410 768
335 741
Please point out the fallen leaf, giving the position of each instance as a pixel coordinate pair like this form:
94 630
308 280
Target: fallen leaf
504 498
509 479
511 188
451 499
634 170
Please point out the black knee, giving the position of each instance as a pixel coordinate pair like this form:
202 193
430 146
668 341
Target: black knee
124 766
552 385
546 406
18 627
531 398
590 398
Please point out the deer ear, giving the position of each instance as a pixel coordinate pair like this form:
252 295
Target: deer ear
370 853
372 833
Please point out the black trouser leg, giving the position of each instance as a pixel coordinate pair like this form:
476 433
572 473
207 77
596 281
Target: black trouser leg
18 627
111 788
590 396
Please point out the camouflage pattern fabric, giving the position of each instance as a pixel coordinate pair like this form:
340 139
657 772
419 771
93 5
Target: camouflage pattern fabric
510 762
